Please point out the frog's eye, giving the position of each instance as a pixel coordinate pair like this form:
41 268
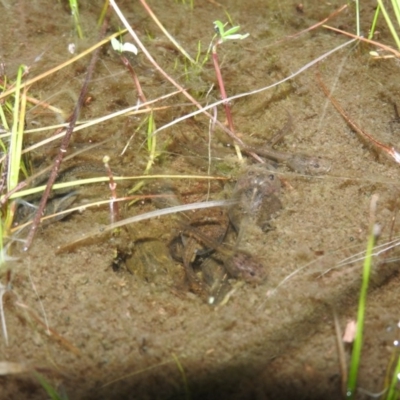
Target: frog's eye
271 177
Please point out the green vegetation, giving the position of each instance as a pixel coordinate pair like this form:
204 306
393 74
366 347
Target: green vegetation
13 167
223 36
356 354
50 390
75 13
381 8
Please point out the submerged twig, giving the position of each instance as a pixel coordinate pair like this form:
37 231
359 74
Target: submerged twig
64 145
363 39
50 331
114 209
390 151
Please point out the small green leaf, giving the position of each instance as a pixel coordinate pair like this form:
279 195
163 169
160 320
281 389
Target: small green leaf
236 37
231 31
219 28
230 34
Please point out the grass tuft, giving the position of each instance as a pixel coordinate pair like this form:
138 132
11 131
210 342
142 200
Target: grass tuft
388 19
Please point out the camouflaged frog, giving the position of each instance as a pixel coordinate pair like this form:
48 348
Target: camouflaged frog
256 192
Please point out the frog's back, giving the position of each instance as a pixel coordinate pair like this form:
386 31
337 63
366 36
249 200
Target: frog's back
255 192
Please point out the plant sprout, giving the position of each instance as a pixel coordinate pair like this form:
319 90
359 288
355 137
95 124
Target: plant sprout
230 34
223 36
121 47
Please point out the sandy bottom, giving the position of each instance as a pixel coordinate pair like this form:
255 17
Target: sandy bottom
118 334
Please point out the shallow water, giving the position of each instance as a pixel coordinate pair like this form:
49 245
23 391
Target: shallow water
134 331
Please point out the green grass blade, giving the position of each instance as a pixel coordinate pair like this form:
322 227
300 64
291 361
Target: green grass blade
4 123
393 390
17 131
53 394
182 371
396 8
356 354
374 21
75 13
103 13
358 17
389 24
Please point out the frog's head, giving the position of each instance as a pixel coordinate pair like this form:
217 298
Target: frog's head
244 266
309 165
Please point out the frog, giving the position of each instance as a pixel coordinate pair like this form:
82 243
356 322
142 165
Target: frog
193 254
150 261
256 198
238 264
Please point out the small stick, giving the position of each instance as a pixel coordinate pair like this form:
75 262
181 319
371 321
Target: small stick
336 12
114 209
224 97
390 151
64 146
362 39
135 78
50 331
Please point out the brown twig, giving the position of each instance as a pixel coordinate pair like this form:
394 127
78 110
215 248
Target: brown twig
222 90
362 39
64 144
390 151
318 23
50 331
135 78
114 209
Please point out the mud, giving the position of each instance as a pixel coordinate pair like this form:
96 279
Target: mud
121 330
